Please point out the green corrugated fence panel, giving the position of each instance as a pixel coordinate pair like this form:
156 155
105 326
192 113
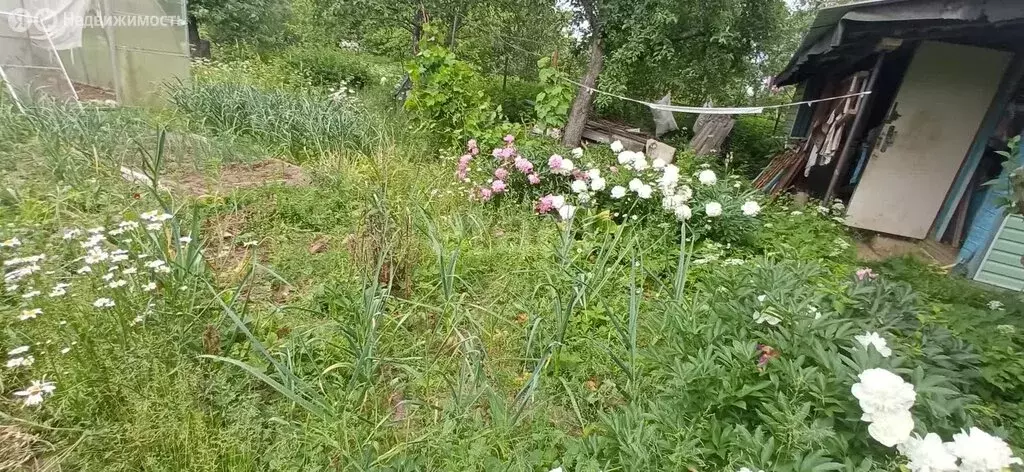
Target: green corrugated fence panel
1002 265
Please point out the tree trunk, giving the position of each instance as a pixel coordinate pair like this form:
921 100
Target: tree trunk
417 30
573 132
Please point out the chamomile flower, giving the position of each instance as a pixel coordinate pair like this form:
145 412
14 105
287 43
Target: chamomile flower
34 393
16 362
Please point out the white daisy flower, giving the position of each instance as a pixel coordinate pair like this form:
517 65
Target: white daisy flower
18 351
17 362
118 283
103 303
30 314
149 287
34 393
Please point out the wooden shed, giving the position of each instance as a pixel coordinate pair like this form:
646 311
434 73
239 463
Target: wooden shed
942 98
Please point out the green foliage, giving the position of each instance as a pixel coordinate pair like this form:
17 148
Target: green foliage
257 22
514 95
328 67
552 104
752 143
295 124
447 99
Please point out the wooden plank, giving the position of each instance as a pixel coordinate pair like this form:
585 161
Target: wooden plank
943 98
1007 87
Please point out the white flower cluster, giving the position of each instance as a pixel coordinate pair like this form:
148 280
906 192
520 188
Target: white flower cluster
975 450
121 272
886 400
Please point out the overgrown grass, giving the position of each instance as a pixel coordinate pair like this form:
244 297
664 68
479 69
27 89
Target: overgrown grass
378 320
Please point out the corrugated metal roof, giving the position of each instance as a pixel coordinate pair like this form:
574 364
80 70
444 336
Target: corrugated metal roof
832 27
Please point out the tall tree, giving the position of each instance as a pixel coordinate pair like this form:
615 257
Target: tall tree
695 49
581 105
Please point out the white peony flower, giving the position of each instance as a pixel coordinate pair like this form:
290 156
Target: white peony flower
625 158
747 469
892 429
713 209
597 184
577 152
979 451
995 305
644 191
566 211
618 192
557 201
683 212
670 203
751 208
927 454
707 177
579 186
873 339
635 184
616 146
640 162
686 192
882 393
658 163
594 173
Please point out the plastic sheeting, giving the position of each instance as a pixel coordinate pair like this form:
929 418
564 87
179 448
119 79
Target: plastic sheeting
124 50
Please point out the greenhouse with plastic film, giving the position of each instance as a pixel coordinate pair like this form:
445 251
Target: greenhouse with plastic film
112 51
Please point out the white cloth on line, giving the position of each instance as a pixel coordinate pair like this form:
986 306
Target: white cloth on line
57 22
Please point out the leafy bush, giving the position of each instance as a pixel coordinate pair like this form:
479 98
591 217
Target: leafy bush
514 96
328 67
447 98
752 142
622 187
552 104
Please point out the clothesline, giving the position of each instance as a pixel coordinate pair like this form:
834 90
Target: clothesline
714 110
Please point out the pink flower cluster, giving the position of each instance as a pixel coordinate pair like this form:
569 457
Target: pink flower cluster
508 159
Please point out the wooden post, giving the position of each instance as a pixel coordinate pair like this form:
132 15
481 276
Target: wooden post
855 129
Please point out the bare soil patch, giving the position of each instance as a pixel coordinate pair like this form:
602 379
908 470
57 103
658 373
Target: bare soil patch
240 176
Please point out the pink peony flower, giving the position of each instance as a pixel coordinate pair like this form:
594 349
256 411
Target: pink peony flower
485 193
500 173
509 138
545 204
865 273
462 173
471 144
496 153
507 152
523 165
580 175
464 160
555 161
498 186
534 179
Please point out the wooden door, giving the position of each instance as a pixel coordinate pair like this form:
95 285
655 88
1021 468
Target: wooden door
945 93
